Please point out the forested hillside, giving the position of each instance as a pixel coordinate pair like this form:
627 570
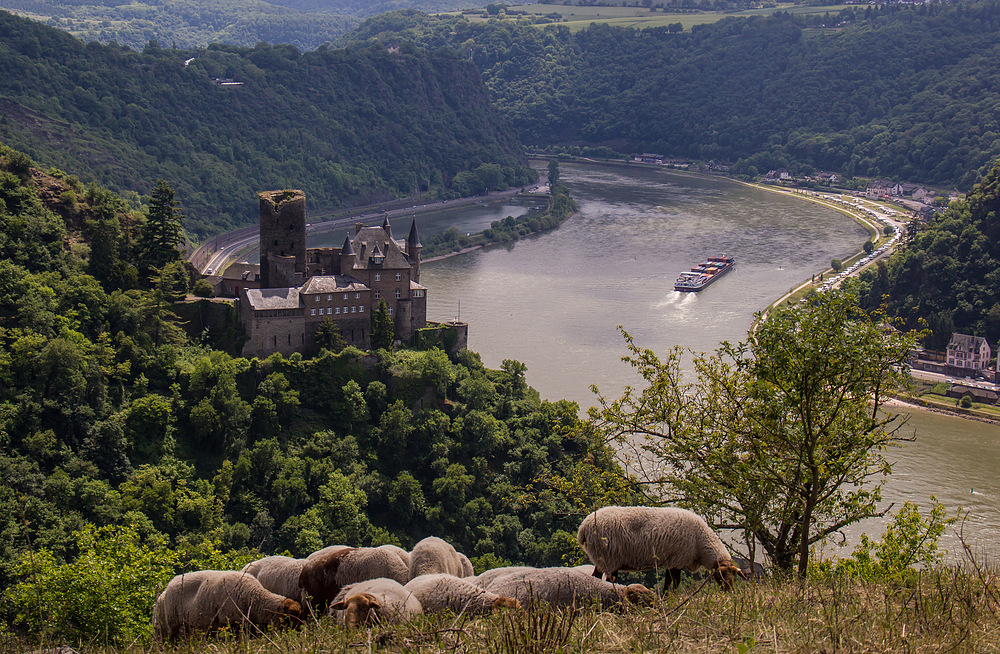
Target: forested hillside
111 415
185 23
346 126
905 92
949 273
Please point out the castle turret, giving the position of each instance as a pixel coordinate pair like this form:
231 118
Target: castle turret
413 250
282 238
386 226
347 257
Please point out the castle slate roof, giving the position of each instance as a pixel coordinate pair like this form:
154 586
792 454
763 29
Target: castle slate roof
264 299
331 284
364 243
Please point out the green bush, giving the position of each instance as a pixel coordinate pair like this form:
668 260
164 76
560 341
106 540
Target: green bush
203 289
965 402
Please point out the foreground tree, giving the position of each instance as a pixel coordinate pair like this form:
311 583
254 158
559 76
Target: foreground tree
781 436
383 330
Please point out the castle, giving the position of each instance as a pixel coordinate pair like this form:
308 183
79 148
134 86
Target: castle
301 287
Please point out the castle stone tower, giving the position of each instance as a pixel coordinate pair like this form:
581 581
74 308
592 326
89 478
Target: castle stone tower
282 238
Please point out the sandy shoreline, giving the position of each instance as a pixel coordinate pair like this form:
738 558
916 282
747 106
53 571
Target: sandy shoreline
913 403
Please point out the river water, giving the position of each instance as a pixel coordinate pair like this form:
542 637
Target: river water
554 302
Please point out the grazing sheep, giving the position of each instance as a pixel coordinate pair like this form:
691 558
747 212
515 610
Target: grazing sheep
641 538
566 587
279 574
403 555
328 550
487 577
322 577
374 601
432 556
211 599
467 569
438 592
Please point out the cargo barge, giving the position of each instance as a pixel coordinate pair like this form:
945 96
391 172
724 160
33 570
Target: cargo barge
704 273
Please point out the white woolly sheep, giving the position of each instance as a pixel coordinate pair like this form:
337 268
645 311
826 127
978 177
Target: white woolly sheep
403 555
279 574
486 578
432 556
439 592
566 587
330 549
211 599
642 538
375 601
322 577
467 569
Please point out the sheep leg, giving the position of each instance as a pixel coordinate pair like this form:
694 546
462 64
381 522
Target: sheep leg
673 579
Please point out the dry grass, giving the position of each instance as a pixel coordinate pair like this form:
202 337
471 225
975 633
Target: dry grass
952 609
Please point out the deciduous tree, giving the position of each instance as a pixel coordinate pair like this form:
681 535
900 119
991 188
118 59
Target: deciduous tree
782 435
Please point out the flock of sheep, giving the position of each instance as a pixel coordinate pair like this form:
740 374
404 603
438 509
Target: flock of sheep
361 585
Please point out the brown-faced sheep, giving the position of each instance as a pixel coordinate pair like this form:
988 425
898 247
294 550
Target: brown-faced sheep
439 592
567 587
433 556
642 538
279 574
323 576
375 601
212 599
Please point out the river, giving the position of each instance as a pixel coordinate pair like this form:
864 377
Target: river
554 302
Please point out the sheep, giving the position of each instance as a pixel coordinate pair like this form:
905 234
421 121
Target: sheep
403 555
211 599
487 577
279 574
438 592
433 555
467 569
373 601
641 538
566 587
322 577
328 550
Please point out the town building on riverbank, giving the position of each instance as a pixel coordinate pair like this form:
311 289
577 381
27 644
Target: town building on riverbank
301 287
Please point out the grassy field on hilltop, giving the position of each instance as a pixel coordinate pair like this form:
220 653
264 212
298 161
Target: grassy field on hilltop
577 18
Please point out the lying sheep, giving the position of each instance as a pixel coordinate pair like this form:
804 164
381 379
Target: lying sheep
566 587
279 574
212 599
433 555
487 577
642 538
438 592
375 601
323 576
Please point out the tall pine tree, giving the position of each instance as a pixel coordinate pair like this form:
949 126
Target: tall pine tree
160 235
383 329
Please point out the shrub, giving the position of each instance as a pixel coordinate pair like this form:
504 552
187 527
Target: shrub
203 289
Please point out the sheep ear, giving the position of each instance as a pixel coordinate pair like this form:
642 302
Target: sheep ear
339 606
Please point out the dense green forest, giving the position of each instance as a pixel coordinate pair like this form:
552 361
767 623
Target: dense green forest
185 23
949 272
905 92
111 415
346 126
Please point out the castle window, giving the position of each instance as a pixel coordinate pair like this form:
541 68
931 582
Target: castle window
345 296
398 294
390 311
317 298
354 309
418 293
378 295
378 277
329 298
361 308
399 276
338 309
357 296
314 312
321 311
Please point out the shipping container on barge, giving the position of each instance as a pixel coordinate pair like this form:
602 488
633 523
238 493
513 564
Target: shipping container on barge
704 274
